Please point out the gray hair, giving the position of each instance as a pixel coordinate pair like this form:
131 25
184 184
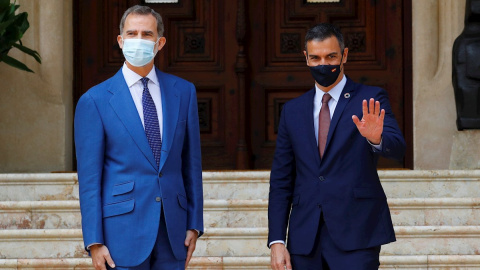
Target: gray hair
143 10
323 31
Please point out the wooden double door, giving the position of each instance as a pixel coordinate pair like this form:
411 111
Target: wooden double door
246 60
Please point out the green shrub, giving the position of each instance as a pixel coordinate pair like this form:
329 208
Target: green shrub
12 28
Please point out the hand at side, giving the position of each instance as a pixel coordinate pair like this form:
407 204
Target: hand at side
190 242
280 257
100 255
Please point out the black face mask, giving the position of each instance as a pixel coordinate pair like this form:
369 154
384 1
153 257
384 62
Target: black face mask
326 75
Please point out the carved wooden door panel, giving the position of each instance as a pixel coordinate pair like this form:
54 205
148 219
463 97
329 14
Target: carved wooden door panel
374 33
245 58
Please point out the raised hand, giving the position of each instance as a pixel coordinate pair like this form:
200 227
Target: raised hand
371 125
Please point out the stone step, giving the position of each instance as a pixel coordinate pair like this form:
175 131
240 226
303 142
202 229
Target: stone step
411 240
242 242
245 185
419 262
40 215
38 187
243 213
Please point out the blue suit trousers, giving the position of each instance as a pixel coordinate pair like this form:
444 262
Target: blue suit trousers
162 257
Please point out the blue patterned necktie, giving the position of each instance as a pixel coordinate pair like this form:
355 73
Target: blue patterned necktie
150 120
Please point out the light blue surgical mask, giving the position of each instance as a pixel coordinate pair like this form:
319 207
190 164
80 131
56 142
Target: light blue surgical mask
139 52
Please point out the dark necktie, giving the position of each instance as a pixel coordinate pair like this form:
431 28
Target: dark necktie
150 120
323 124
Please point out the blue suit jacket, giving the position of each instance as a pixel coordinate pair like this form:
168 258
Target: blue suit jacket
119 180
344 184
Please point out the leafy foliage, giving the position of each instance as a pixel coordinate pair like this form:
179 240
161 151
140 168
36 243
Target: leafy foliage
12 28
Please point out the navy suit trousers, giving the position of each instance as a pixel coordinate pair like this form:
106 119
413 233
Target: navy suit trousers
327 256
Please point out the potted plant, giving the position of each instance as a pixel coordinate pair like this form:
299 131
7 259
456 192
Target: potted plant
12 28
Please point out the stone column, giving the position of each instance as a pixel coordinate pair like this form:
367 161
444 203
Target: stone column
36 109
437 143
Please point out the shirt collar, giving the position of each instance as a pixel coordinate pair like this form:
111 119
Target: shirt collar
131 77
335 92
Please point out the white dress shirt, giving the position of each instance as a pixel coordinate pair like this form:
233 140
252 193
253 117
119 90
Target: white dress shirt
135 86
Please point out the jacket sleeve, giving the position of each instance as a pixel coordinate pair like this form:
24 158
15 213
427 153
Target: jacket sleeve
393 143
90 147
192 166
282 179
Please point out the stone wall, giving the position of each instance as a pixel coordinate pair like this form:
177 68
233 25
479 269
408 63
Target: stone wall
437 143
36 108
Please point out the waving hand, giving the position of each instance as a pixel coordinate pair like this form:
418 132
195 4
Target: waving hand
371 125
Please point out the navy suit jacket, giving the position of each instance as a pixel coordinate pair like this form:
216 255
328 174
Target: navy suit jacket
120 184
343 185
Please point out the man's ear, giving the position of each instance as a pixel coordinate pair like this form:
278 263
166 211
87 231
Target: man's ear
345 55
306 56
161 42
120 41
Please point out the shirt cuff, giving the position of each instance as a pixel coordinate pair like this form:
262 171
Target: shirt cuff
376 147
276 242
88 247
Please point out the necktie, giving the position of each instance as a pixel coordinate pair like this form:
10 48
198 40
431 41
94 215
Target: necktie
150 120
323 123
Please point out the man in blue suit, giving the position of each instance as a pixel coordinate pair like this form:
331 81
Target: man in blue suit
139 164
324 184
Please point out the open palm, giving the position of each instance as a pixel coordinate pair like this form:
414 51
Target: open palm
371 125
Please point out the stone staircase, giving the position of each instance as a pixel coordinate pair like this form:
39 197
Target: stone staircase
436 216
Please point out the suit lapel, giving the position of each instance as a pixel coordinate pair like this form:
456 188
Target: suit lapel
311 128
123 105
170 109
337 114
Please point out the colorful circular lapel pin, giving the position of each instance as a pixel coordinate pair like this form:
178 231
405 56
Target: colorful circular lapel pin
347 95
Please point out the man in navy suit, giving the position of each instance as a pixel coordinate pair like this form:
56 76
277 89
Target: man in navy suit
139 164
324 184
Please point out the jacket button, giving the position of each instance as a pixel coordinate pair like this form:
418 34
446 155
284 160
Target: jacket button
158 199
321 178
160 174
